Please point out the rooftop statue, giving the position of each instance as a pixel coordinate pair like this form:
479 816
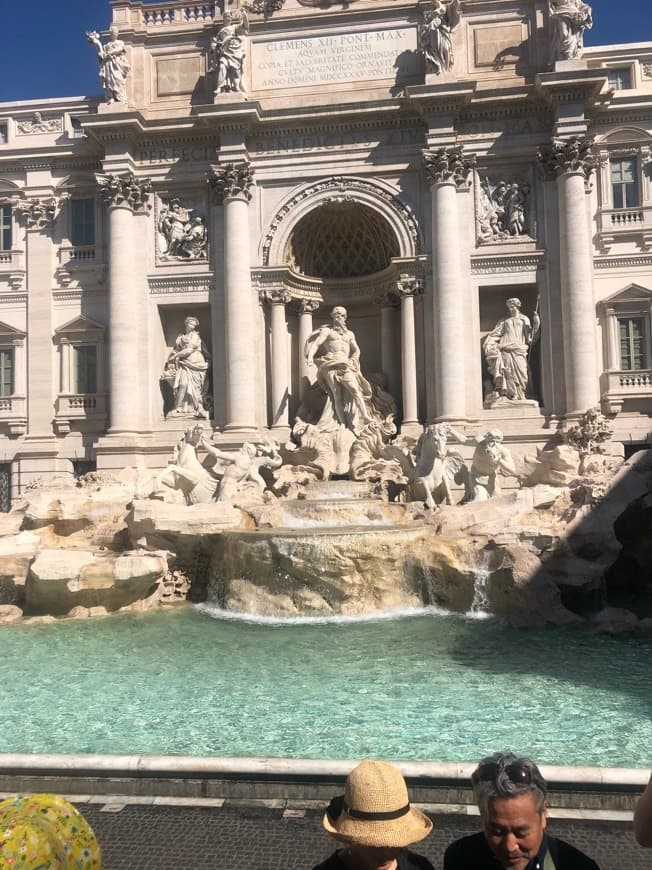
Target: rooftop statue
506 350
568 20
435 35
227 52
114 66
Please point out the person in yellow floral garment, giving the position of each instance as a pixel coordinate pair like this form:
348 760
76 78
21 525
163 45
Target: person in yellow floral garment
45 831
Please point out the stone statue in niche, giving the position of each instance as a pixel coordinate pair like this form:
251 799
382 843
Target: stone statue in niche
506 351
568 21
114 66
489 458
341 408
435 35
502 212
334 351
187 369
227 51
181 235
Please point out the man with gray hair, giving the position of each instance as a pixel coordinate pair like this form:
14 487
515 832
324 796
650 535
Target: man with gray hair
511 795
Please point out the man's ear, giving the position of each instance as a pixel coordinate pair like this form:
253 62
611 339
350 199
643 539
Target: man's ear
544 815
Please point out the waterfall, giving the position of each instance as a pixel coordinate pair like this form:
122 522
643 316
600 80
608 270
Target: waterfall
480 605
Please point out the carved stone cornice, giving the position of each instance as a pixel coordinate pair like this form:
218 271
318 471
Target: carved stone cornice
565 156
125 191
445 165
277 296
409 285
231 181
38 213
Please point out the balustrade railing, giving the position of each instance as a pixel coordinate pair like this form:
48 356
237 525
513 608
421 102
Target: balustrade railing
178 13
76 254
618 387
80 405
12 406
615 220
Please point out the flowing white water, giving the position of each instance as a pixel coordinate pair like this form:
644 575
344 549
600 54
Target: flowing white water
216 612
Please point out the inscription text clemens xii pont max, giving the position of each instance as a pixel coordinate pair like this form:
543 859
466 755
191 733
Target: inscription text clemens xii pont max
372 54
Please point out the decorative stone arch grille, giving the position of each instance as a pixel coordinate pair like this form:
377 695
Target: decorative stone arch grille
377 196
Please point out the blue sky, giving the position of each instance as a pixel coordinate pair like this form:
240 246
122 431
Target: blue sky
45 54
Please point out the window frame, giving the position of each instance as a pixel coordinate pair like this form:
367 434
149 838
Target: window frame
9 350
614 70
6 226
87 221
76 347
646 355
622 185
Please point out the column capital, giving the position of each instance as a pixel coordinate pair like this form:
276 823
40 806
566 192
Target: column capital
277 296
447 165
408 285
306 306
125 191
40 212
567 156
231 181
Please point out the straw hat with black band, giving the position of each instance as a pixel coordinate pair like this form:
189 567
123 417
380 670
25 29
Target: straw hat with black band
375 809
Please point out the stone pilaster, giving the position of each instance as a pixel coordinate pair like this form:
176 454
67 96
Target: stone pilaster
571 162
408 288
277 299
126 197
305 309
448 170
231 184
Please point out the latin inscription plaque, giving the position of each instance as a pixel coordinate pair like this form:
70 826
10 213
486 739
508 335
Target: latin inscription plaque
340 57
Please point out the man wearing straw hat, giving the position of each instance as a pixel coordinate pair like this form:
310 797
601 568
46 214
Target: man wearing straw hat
511 795
376 821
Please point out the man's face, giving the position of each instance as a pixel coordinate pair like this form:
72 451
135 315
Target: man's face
512 308
371 858
514 829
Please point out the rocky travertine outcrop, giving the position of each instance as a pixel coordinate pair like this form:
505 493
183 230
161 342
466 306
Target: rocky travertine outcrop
541 554
60 580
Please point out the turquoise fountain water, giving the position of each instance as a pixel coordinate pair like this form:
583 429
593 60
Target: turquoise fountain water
425 686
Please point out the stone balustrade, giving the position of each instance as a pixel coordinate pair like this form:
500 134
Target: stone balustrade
77 254
617 222
13 414
175 13
619 386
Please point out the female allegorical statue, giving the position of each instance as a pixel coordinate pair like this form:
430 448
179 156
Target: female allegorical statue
188 364
114 66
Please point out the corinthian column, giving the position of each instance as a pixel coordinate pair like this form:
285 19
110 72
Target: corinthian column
231 184
305 309
277 300
408 288
447 170
571 162
125 197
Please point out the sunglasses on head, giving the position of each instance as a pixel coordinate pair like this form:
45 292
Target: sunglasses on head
516 772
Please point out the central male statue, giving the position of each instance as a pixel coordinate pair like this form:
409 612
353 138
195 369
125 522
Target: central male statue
335 352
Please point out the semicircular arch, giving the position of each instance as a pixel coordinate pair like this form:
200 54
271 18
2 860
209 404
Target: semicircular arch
378 196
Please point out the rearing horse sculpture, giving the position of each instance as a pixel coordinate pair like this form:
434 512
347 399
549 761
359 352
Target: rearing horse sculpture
436 467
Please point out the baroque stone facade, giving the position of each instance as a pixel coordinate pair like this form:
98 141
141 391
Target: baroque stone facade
422 167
